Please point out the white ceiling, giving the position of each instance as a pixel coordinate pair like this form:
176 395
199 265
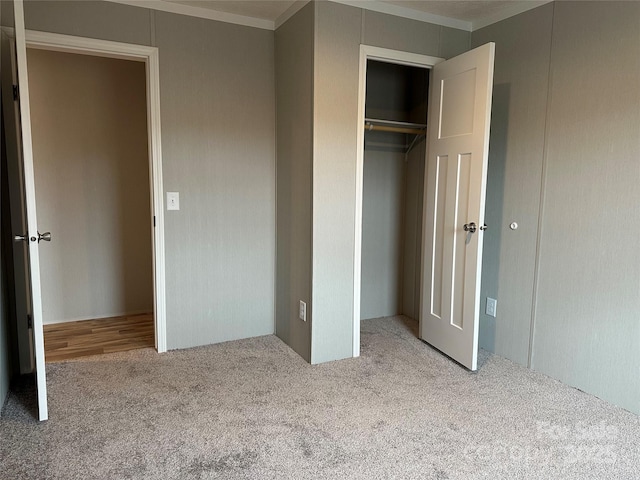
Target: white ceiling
466 14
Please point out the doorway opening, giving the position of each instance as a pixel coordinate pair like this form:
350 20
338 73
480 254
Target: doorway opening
90 154
32 352
394 91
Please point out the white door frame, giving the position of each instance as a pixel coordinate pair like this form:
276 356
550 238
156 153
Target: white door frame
390 56
148 55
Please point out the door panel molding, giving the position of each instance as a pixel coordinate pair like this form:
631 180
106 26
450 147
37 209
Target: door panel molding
459 121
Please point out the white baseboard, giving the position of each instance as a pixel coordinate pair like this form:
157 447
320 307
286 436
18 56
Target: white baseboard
96 317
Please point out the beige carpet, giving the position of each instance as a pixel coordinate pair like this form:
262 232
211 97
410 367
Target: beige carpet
253 409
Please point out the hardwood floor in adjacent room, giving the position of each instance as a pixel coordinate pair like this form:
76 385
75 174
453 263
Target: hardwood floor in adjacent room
63 341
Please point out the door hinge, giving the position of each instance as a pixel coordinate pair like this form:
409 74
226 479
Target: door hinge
154 221
29 321
15 92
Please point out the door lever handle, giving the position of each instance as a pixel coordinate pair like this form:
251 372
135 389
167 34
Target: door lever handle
46 236
472 227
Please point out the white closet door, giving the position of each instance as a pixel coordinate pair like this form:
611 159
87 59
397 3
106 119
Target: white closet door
455 185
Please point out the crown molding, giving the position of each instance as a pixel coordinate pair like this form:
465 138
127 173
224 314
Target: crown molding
290 12
199 12
517 9
371 5
398 11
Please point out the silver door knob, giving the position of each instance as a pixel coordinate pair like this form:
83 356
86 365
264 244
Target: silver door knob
46 236
470 227
484 227
21 238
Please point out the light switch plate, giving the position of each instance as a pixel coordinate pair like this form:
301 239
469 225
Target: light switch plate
492 307
173 201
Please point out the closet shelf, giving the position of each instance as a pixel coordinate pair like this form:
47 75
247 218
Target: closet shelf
407 128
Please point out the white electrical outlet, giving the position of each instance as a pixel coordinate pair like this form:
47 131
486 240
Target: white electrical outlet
302 312
492 306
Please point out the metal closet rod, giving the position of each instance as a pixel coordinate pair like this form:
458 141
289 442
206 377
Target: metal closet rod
394 127
384 128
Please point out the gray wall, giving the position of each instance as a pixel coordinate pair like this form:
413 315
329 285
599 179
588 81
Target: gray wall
339 31
412 242
391 231
398 33
521 76
294 98
382 233
586 287
92 19
218 140
89 121
587 328
337 39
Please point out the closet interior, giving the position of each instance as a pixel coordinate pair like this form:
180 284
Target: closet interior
393 188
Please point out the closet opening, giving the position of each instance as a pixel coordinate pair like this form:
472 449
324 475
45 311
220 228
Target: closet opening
429 267
394 110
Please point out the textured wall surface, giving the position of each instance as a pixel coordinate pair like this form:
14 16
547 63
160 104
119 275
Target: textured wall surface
93 19
412 242
218 139
92 185
391 232
382 233
587 328
404 34
294 97
336 64
521 76
572 137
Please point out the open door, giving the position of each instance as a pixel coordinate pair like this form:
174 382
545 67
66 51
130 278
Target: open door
16 196
15 100
455 186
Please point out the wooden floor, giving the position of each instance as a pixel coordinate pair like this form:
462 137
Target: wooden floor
63 341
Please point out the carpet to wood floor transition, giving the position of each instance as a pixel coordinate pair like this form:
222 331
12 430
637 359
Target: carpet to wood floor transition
253 409
64 341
